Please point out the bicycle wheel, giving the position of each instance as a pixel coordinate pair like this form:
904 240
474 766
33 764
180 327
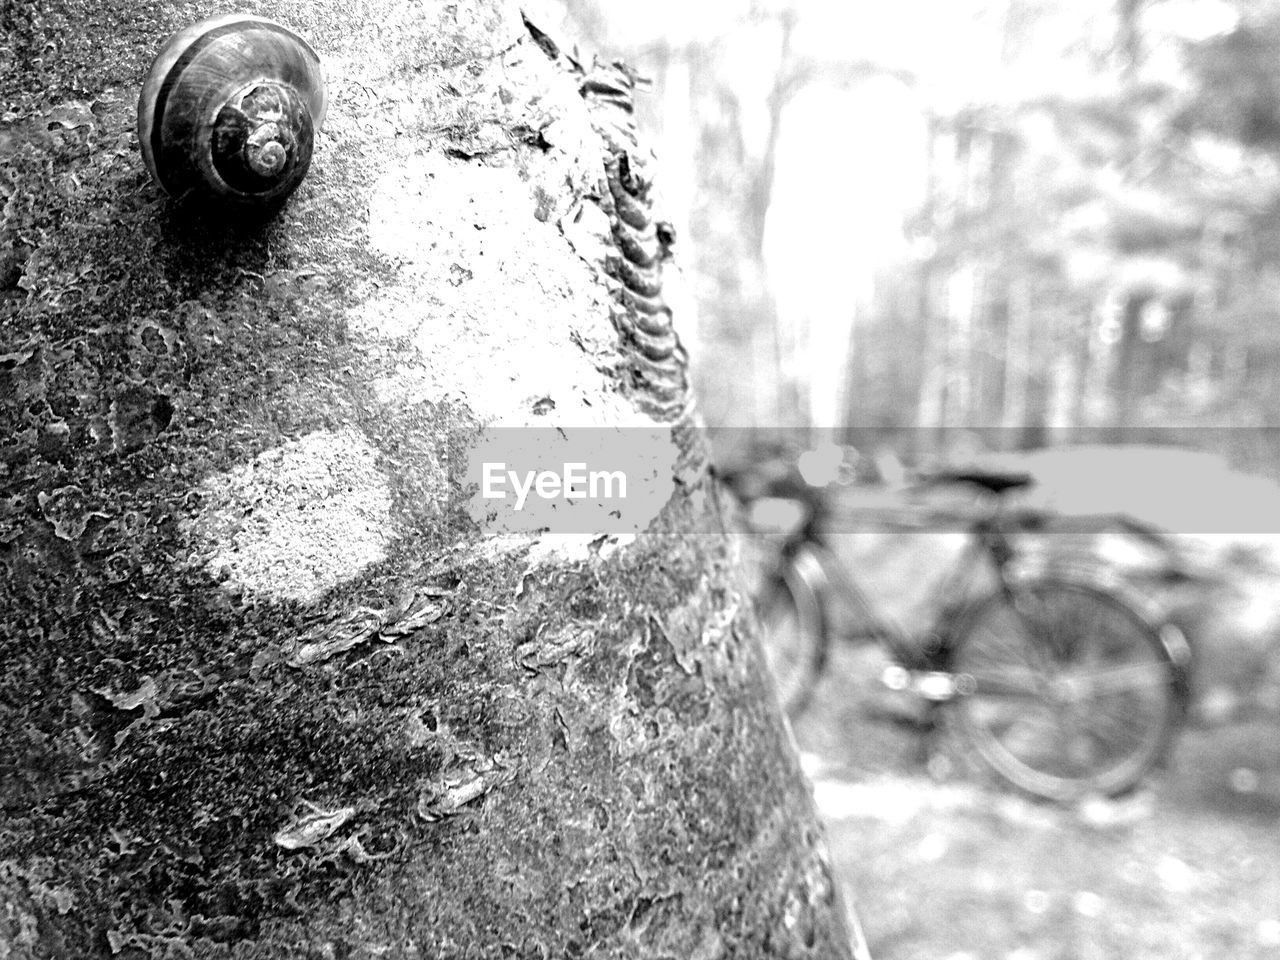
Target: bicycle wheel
795 635
1065 689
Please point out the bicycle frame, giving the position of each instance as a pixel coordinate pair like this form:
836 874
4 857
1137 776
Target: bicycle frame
1047 708
908 649
989 549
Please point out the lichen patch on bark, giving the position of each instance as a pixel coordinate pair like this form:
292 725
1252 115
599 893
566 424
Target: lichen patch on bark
491 299
558 548
297 520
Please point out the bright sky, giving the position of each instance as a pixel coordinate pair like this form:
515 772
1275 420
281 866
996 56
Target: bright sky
850 164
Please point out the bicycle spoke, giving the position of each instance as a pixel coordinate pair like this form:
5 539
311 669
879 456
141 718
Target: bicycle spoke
1010 646
1123 679
1006 682
1141 717
1002 723
1078 742
1071 690
995 646
1047 752
1115 730
1074 757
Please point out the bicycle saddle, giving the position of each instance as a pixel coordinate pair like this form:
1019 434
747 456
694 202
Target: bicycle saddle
994 481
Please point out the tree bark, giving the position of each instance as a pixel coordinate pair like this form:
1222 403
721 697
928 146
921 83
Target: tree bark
269 686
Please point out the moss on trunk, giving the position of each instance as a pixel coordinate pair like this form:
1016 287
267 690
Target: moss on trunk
267 687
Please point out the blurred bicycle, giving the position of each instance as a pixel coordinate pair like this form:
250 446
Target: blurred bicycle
1044 665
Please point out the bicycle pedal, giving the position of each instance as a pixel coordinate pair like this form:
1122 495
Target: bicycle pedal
936 685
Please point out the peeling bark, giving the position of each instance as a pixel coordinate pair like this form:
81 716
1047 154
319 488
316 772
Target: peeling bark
267 688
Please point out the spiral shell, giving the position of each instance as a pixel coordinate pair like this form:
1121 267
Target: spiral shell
230 109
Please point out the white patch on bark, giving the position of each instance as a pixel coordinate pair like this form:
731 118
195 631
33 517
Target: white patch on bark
313 827
297 520
500 310
499 303
554 549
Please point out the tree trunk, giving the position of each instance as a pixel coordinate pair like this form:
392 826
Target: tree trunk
1017 356
962 295
1125 385
270 685
732 190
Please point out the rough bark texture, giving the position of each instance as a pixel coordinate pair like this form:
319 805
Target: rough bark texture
267 689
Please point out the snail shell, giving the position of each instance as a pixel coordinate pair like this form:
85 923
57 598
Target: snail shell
230 109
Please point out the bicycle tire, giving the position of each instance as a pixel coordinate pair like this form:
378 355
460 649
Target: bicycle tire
1066 689
795 636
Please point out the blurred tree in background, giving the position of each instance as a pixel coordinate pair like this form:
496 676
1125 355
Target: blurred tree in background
1036 220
